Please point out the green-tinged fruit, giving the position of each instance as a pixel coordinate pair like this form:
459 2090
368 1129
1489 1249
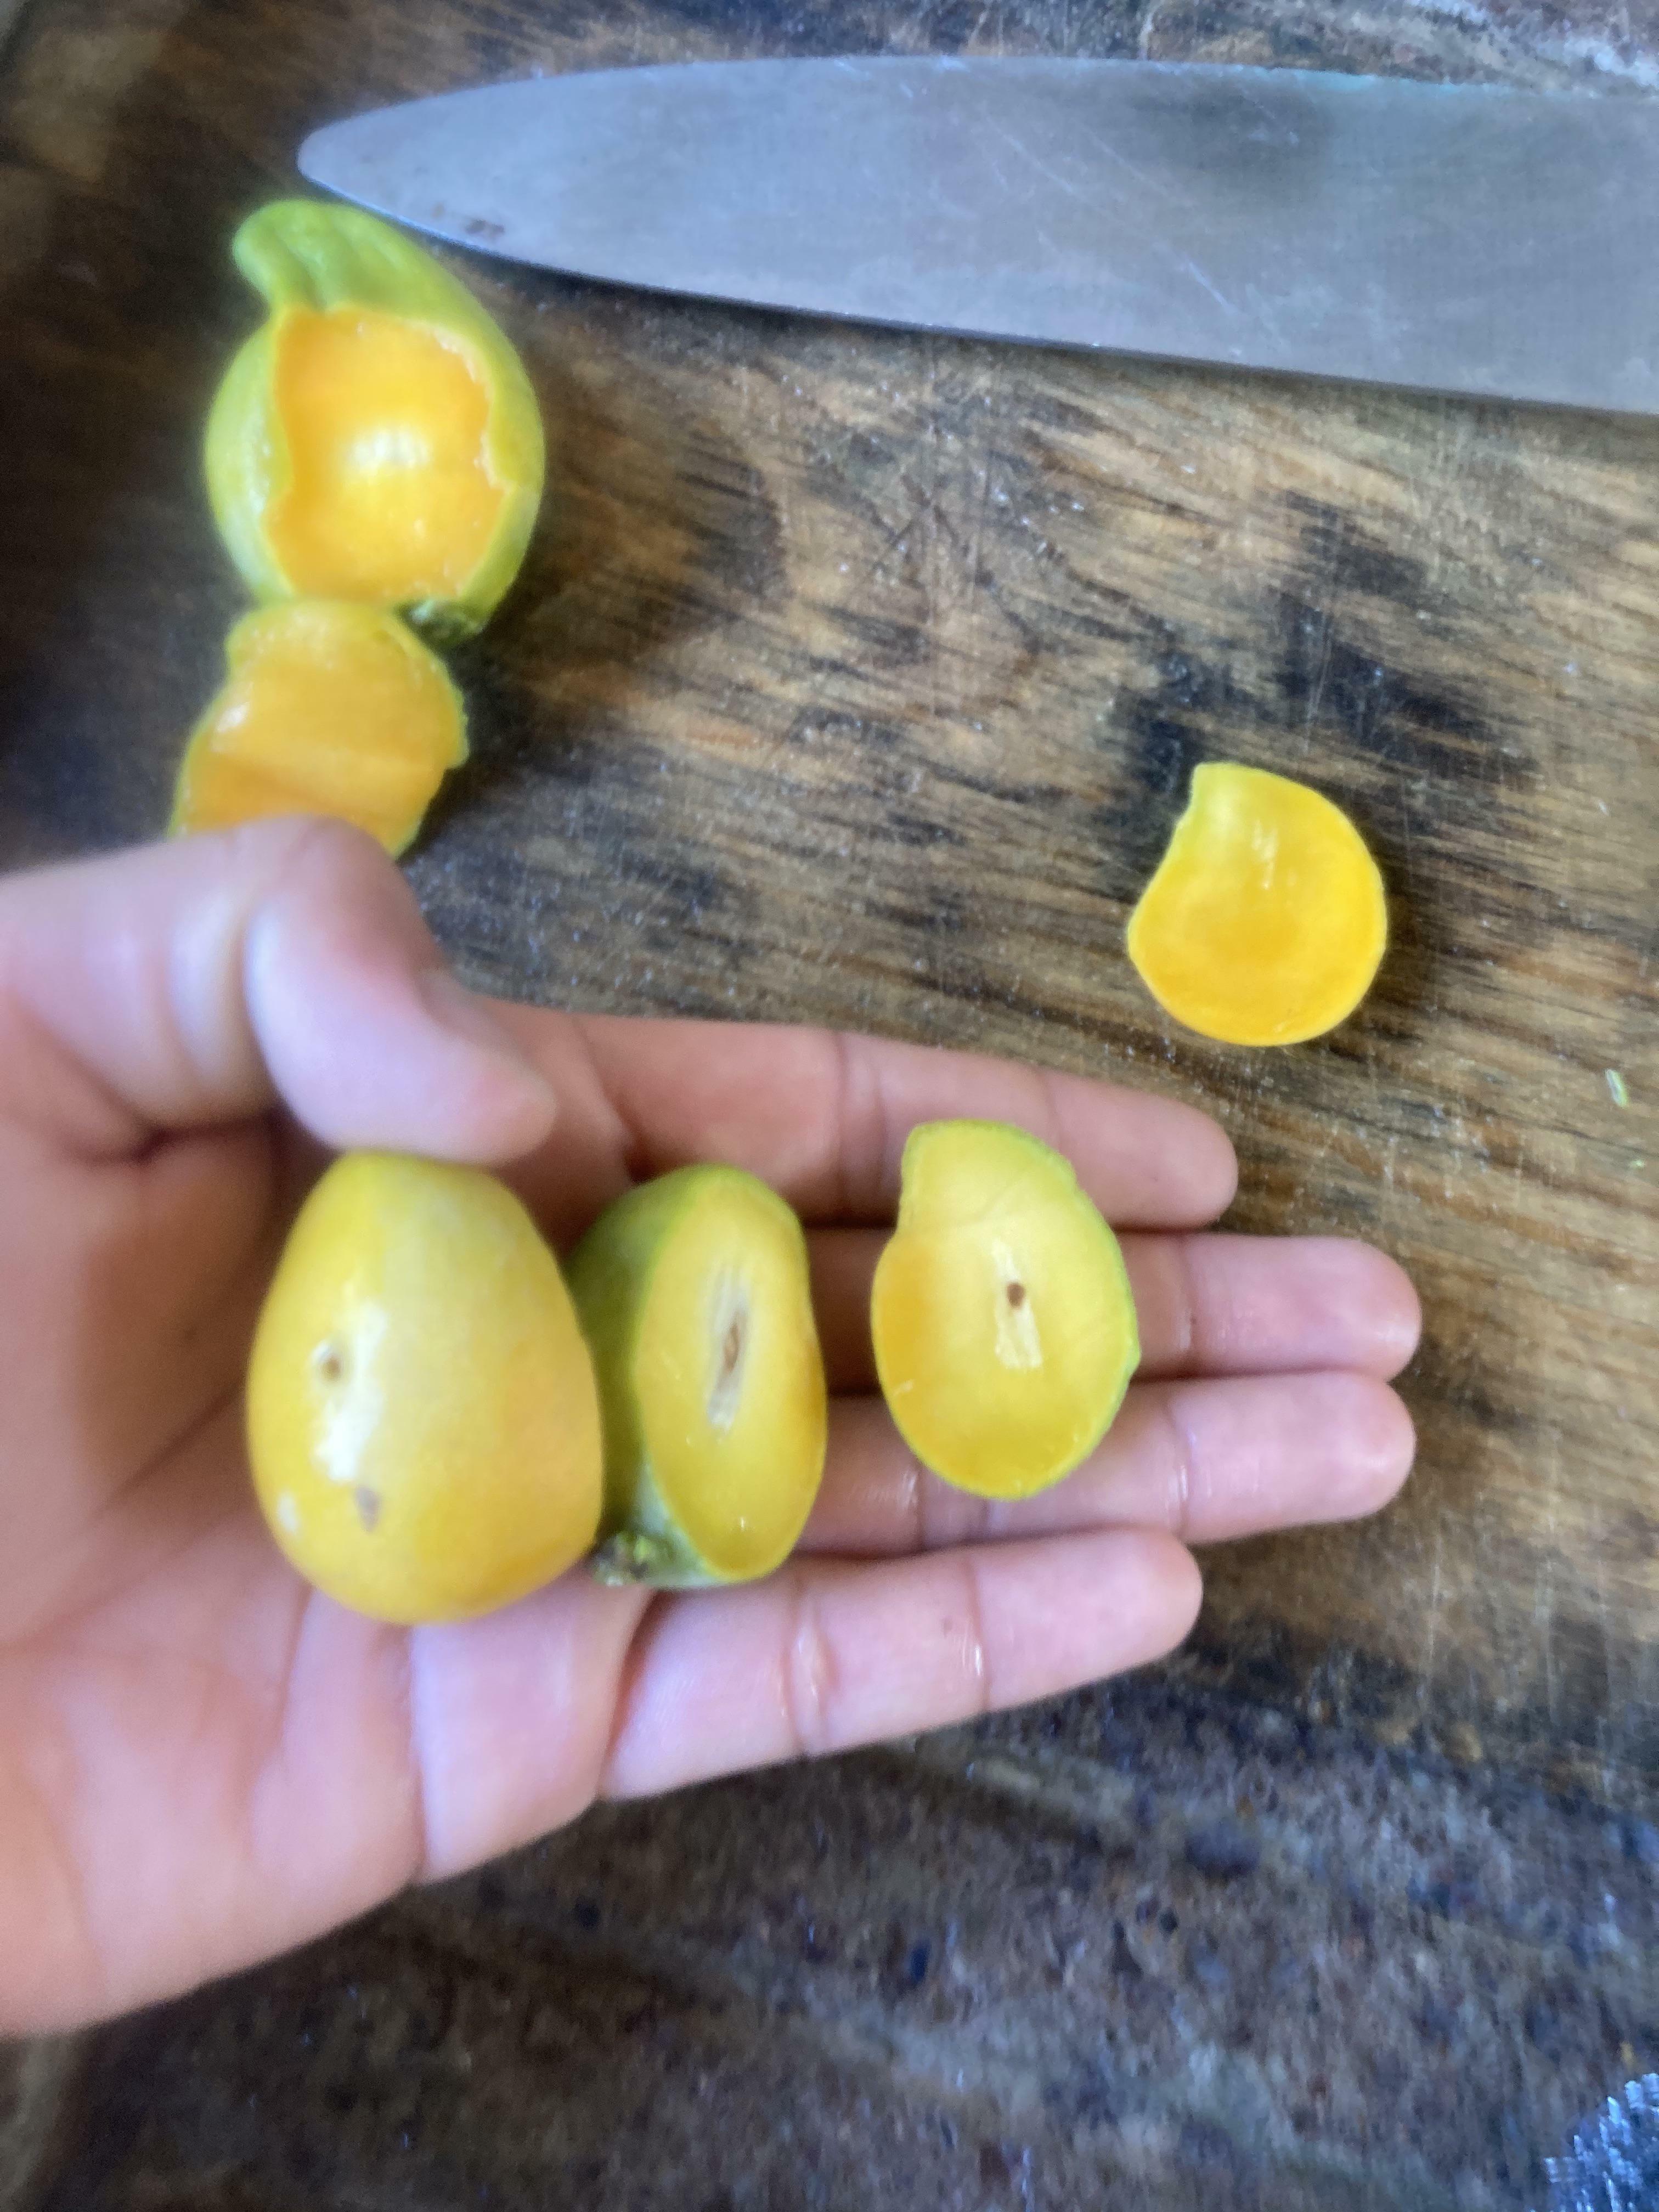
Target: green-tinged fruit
377 439
694 1296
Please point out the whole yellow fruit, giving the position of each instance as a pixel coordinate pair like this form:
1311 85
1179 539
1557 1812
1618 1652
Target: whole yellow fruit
422 1419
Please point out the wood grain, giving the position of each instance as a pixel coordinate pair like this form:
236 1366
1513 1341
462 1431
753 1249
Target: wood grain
857 676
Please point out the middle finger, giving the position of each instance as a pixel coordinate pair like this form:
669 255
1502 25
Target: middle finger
1207 1460
1205 1304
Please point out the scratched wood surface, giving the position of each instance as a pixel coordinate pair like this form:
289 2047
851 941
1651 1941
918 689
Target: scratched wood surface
857 676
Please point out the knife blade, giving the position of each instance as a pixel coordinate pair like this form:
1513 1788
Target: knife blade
1456 238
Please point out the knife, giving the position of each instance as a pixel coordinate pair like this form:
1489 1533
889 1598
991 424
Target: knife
1454 238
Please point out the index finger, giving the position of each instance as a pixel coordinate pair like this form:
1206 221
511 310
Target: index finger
823 1115
183 985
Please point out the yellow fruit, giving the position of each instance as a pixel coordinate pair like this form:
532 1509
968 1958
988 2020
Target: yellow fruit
326 709
421 1416
378 438
693 1291
1266 921
1002 1318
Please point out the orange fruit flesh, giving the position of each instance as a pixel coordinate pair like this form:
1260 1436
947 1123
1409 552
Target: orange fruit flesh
1003 1321
327 709
390 497
1266 921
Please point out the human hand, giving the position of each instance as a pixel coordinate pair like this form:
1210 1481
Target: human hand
202 1760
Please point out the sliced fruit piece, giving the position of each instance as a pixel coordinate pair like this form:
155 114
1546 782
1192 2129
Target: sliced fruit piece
694 1294
1266 919
1001 1314
378 439
327 708
421 1416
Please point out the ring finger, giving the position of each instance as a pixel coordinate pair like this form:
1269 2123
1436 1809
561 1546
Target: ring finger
1207 1460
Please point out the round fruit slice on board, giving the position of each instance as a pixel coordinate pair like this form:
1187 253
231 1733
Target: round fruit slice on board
1266 919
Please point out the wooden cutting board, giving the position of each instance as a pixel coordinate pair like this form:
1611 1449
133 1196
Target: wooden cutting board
857 677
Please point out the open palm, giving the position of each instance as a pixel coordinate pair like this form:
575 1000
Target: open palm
203 1761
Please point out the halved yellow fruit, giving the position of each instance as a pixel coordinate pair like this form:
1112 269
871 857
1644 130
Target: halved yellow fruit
421 1416
694 1294
1267 919
1001 1314
378 438
327 708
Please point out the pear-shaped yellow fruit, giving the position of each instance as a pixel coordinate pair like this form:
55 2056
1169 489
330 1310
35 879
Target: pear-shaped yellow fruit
326 709
421 1416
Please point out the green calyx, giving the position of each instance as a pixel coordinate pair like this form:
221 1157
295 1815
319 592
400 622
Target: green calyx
631 1561
317 255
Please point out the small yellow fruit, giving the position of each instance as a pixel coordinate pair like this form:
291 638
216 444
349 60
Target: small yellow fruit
421 1416
694 1293
378 438
1002 1314
1266 921
326 709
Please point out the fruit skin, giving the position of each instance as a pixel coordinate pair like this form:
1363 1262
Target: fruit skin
337 626
422 1421
1267 919
310 253
930 1210
611 1272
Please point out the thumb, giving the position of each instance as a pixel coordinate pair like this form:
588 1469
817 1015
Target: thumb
196 982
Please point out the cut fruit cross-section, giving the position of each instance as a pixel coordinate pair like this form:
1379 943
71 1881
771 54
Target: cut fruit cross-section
1266 921
1002 1318
327 708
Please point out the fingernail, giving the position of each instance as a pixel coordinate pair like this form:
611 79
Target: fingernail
465 1014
